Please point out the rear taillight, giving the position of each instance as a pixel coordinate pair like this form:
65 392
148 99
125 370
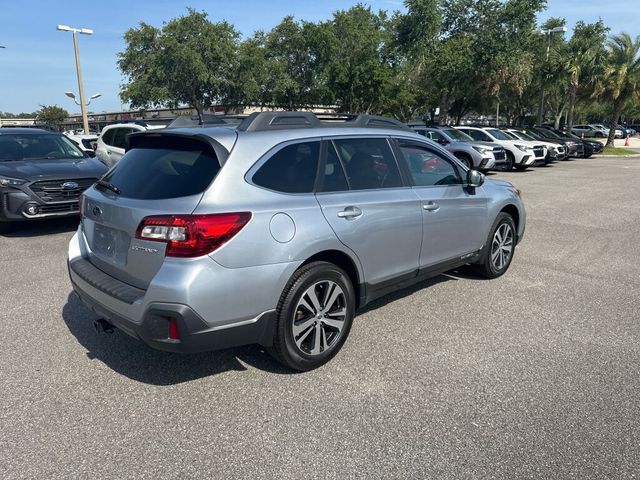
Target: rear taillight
192 235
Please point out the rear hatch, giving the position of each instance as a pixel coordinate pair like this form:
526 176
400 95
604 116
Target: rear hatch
161 174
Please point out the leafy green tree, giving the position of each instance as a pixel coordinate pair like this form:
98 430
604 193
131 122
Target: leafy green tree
248 81
620 83
189 61
51 115
584 61
292 61
356 62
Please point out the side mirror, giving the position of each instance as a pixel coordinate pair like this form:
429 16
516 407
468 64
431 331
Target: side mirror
443 141
475 178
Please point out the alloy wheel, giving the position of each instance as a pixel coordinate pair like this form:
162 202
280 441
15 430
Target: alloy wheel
319 318
502 246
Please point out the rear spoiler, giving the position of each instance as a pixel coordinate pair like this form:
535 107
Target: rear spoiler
133 140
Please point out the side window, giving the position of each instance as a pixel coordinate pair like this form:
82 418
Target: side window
369 163
427 167
436 136
478 135
120 136
291 169
107 137
334 179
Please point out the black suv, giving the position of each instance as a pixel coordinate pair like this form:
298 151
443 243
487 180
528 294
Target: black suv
42 174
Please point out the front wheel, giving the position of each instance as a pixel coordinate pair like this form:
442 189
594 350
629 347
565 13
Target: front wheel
465 160
314 316
508 166
498 251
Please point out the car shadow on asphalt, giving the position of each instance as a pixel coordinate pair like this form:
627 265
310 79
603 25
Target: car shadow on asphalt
38 228
137 361
452 275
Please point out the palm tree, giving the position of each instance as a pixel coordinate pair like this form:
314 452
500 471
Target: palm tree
582 59
620 83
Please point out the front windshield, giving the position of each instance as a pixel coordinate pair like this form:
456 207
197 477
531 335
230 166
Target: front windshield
524 136
499 134
457 135
511 136
36 146
548 133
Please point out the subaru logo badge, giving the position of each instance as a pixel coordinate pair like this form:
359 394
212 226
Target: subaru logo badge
96 210
70 186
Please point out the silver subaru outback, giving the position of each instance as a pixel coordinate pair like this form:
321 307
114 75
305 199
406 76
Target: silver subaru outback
276 232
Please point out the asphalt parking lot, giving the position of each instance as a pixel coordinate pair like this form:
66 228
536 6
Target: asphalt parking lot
533 375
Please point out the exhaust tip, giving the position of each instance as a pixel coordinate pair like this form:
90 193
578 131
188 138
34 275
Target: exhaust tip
102 326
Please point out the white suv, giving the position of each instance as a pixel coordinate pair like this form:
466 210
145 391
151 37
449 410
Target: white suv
520 154
112 141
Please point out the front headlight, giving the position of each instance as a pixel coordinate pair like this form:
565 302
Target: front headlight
522 147
482 150
11 182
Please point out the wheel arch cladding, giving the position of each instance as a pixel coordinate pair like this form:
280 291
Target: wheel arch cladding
346 263
515 214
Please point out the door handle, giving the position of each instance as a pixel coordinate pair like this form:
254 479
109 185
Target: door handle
431 206
350 212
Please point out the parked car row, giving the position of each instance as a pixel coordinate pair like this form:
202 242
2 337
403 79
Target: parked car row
598 130
487 148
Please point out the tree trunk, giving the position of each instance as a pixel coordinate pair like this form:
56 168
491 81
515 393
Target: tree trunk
556 123
612 131
199 110
443 116
572 109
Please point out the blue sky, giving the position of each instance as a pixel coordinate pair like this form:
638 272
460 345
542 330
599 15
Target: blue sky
37 66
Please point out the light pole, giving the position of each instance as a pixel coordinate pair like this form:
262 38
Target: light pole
83 106
72 96
548 33
1 46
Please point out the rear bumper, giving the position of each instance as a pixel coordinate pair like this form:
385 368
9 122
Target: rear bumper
215 307
195 334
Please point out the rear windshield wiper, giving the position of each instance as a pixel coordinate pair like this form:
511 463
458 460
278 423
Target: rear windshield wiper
108 186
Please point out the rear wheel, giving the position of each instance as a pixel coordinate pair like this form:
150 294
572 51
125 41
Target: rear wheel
498 251
314 316
464 158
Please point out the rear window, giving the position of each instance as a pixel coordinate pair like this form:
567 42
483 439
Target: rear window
162 167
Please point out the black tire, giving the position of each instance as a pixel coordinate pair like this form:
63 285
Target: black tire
485 267
464 158
511 161
284 347
521 168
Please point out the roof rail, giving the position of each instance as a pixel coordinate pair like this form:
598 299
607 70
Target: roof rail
263 121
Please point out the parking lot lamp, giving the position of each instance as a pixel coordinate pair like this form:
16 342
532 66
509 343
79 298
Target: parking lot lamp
83 106
548 33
